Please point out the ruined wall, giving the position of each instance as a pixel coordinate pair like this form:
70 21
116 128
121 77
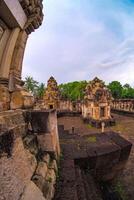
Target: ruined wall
123 104
65 105
28 160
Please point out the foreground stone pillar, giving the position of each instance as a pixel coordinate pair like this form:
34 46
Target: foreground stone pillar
44 124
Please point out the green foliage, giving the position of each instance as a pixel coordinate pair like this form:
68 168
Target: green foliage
31 84
127 91
89 126
73 90
91 139
120 190
34 87
118 91
40 91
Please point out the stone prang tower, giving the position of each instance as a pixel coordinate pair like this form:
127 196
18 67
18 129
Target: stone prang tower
97 103
52 95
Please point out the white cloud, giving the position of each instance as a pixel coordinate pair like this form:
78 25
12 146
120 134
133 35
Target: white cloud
82 40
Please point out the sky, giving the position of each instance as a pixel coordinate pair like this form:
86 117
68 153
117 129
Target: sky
82 39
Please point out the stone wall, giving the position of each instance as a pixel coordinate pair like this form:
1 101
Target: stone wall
65 105
123 104
28 159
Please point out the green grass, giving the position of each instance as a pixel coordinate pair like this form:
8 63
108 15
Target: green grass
120 190
89 126
91 139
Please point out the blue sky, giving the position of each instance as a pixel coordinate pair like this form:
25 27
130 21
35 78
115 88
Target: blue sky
81 39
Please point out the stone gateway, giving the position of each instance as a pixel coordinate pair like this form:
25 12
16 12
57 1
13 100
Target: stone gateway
25 17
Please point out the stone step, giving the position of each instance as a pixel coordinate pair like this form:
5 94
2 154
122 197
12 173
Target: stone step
91 188
67 182
80 184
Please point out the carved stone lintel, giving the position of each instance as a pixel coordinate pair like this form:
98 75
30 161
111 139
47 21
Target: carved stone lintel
33 11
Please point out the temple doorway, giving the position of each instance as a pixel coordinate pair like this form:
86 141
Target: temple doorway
102 111
51 106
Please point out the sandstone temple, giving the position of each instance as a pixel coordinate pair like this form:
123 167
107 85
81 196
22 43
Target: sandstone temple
47 152
52 95
97 103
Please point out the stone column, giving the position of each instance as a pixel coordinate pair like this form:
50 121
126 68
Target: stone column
16 65
7 52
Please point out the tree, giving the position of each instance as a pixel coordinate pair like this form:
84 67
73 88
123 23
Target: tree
127 91
73 90
116 89
40 91
31 85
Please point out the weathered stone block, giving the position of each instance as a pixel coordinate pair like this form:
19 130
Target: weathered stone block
41 169
21 99
32 192
44 123
123 144
30 142
15 172
51 177
53 165
46 158
49 190
108 155
39 181
4 98
39 121
45 143
32 160
6 143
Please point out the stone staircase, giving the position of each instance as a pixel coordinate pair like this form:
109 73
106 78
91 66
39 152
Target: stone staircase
87 189
73 183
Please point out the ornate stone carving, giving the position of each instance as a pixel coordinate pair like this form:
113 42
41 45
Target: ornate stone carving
33 11
97 91
97 101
